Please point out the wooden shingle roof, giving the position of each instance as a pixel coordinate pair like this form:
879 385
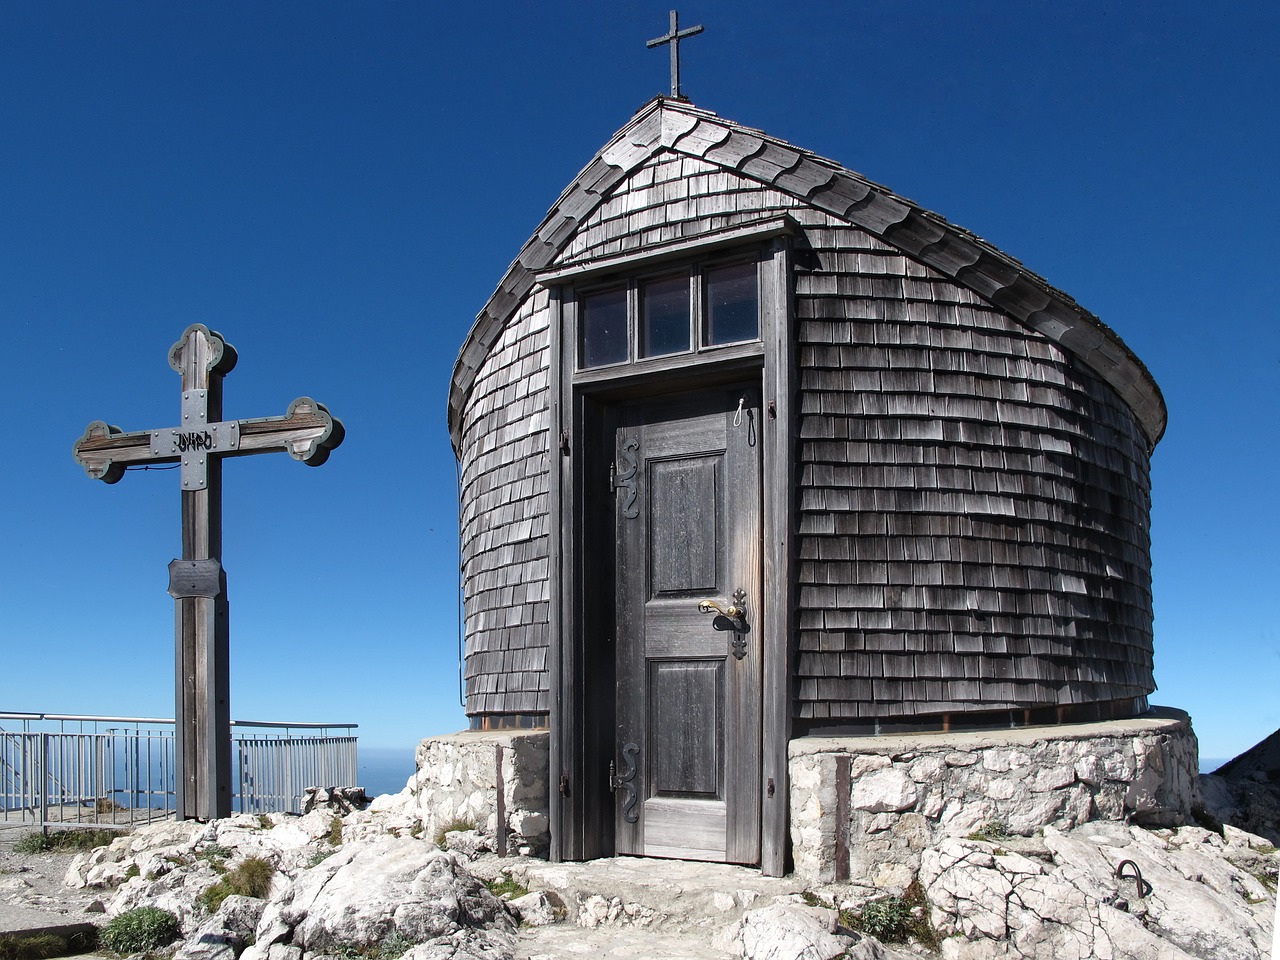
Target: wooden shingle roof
682 129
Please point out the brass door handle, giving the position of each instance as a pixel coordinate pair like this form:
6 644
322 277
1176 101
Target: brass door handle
731 611
730 616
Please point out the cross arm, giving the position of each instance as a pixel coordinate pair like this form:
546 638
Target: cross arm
105 451
307 432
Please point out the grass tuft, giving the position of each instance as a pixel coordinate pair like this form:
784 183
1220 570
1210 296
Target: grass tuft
334 836
895 919
39 946
248 878
37 842
390 949
505 888
991 831
141 929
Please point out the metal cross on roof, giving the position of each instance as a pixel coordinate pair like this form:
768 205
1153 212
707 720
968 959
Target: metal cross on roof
673 37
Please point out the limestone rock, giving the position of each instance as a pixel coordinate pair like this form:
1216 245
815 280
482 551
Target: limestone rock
596 910
464 945
458 778
987 902
367 893
178 892
789 930
468 843
340 800
1245 792
77 871
13 884
225 934
539 909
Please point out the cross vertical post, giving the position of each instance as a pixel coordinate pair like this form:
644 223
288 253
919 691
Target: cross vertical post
197 581
202 628
673 37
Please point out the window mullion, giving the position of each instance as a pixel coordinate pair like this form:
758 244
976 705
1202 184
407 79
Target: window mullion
633 320
695 307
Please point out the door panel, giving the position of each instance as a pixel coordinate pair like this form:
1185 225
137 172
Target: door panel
687 530
686 707
683 552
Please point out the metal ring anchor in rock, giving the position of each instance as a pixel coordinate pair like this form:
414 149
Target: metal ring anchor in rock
1144 888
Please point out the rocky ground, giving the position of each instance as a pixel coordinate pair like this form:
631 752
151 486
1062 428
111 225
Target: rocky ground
1245 791
345 883
370 885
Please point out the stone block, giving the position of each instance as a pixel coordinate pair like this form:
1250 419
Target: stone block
927 769
1053 777
885 791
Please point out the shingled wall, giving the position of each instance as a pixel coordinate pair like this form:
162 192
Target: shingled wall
973 504
671 198
972 501
504 520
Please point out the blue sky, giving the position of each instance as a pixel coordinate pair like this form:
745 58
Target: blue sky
338 187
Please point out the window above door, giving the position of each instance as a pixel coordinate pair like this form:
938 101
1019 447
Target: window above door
699 307
674 307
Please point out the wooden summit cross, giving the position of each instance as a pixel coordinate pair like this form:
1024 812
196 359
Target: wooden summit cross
197 582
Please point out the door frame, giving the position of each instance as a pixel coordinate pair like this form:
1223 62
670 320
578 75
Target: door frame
582 677
653 631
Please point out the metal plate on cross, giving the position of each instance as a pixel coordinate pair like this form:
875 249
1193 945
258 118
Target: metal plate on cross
192 445
194 578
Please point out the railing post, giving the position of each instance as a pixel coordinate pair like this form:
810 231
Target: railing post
42 783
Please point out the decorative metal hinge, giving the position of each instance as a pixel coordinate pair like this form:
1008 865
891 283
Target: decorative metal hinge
564 784
625 479
624 782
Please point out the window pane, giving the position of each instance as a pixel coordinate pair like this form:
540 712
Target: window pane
733 304
664 317
603 329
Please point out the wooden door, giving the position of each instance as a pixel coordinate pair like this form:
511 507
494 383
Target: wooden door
686 773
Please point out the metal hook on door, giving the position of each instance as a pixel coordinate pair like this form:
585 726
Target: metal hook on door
741 415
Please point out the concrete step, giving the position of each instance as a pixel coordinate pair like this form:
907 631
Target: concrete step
19 923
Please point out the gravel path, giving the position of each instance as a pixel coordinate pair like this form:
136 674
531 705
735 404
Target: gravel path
32 894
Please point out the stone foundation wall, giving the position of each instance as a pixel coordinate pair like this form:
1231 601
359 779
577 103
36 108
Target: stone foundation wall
863 808
473 777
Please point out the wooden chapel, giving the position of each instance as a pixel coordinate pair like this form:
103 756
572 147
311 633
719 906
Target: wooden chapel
752 449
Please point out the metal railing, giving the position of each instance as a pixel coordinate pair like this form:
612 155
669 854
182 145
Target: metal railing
83 770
